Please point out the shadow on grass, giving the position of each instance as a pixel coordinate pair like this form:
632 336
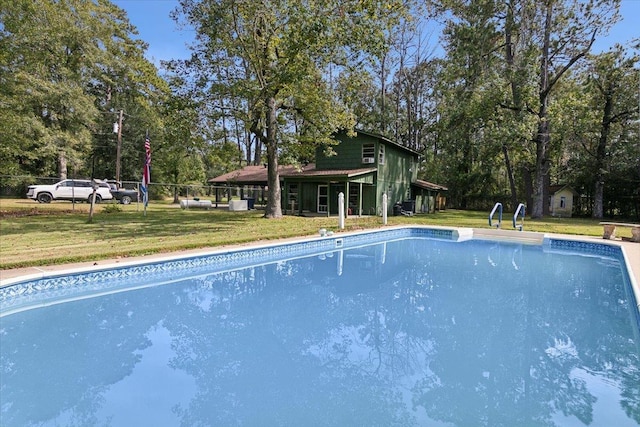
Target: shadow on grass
56 235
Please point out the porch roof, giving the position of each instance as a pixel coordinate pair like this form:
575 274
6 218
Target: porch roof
251 175
257 175
310 171
426 185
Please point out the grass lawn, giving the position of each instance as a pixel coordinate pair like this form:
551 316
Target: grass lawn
35 234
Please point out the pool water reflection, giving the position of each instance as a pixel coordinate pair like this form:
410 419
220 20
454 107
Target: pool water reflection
408 332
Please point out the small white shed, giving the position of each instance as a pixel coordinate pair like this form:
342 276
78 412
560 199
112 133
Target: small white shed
561 200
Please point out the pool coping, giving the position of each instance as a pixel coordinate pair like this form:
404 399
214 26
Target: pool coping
630 252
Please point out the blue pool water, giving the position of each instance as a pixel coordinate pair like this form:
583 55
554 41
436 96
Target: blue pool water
412 331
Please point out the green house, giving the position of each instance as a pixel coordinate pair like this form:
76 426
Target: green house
364 167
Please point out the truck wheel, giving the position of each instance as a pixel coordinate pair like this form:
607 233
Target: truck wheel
98 199
44 198
125 200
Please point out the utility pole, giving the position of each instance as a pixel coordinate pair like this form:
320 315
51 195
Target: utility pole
119 146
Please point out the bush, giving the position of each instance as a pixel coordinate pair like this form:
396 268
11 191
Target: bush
111 208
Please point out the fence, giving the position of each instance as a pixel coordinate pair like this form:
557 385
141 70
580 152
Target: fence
16 186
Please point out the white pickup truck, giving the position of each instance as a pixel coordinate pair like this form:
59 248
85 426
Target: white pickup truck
77 190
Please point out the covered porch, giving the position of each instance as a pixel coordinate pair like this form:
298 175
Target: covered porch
315 192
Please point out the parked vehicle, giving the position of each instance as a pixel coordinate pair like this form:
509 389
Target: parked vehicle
122 195
76 190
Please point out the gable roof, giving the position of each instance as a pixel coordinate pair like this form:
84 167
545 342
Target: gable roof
553 189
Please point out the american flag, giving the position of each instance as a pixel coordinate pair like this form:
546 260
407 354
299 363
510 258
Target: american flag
146 172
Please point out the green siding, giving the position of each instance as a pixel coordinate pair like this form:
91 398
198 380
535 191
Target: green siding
348 153
394 176
366 179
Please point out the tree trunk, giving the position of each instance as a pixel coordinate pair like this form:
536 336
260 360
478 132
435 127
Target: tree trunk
598 192
62 164
512 182
176 192
257 159
547 82
383 89
528 185
542 136
601 154
515 94
542 166
274 207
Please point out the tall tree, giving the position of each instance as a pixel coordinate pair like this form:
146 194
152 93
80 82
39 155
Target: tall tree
566 31
611 76
600 131
68 67
179 150
283 50
42 77
469 99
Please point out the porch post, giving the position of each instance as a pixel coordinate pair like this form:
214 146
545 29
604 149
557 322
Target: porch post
360 201
384 208
286 198
328 199
346 210
341 211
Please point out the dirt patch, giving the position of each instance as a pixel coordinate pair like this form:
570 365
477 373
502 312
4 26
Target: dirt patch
32 212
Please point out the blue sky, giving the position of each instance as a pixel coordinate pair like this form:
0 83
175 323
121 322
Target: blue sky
166 41
151 18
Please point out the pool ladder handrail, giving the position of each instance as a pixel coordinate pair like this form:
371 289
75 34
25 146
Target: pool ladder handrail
521 208
497 206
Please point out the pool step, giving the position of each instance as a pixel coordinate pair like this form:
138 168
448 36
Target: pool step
528 237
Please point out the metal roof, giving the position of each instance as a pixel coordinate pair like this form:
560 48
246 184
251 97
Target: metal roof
257 175
429 185
311 171
249 175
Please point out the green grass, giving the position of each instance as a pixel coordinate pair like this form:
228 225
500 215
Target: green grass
33 234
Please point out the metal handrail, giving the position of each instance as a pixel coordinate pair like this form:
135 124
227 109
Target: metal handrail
523 208
497 206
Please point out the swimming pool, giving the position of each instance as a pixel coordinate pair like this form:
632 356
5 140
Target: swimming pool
411 326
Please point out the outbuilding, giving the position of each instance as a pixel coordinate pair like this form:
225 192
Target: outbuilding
561 200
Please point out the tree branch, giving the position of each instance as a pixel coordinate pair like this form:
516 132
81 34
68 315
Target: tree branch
569 64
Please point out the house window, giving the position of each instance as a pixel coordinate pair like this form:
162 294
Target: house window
381 155
563 202
368 153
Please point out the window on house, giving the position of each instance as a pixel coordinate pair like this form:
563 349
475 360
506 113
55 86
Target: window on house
381 155
368 153
563 202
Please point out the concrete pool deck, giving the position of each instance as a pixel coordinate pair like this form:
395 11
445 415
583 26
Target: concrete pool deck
631 249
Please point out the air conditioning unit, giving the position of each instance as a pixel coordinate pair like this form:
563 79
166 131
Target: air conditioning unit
368 160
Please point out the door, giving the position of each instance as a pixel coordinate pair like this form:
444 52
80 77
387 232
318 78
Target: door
323 198
65 190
